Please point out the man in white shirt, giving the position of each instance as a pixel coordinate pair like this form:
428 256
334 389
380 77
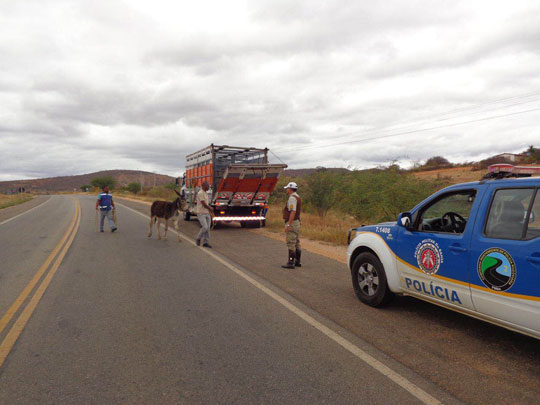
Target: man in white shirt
204 215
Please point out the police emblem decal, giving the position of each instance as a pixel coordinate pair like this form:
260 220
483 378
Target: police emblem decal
429 256
497 269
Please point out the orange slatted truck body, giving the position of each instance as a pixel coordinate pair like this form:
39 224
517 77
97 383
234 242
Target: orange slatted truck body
241 180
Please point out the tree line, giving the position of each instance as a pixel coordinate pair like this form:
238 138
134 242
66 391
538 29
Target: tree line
374 195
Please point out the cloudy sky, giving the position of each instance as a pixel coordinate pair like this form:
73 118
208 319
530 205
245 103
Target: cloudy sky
95 85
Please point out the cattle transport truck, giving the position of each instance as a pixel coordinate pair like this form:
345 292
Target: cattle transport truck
241 180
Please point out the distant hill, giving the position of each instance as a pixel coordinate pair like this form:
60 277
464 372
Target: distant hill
71 183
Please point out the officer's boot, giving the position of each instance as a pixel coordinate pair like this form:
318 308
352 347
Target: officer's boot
290 263
297 258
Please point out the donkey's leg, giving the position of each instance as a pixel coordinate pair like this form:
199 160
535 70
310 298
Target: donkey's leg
152 219
166 228
159 228
176 227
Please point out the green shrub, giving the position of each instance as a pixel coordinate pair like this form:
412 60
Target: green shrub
134 187
381 194
103 181
171 186
320 191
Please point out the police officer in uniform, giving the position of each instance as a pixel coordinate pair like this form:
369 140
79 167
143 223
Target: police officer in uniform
291 216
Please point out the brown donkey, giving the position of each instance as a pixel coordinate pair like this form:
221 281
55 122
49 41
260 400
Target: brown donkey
166 210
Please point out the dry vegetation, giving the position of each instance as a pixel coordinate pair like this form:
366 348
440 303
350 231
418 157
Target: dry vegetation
10 200
332 228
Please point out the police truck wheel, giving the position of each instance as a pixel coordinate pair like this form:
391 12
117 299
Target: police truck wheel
187 216
369 280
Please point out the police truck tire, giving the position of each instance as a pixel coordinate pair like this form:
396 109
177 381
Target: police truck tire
187 216
369 280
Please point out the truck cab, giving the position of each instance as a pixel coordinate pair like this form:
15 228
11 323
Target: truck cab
472 248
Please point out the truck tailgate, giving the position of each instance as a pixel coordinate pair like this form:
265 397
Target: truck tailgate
242 184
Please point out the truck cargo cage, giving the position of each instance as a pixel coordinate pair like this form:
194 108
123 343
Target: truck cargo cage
240 179
504 170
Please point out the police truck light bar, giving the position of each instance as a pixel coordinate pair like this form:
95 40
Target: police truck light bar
502 170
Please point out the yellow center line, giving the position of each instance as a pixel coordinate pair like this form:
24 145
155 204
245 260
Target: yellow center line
30 286
20 323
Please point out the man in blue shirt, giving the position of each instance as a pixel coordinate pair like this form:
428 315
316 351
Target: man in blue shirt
105 204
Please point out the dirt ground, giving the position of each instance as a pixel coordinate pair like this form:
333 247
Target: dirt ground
335 252
454 175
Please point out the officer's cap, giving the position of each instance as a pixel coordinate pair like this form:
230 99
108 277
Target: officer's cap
292 184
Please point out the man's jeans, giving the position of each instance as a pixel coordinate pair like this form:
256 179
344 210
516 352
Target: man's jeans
206 222
108 214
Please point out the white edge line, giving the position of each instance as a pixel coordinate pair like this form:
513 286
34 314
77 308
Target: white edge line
362 355
25 212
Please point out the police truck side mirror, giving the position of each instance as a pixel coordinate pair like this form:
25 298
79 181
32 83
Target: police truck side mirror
404 220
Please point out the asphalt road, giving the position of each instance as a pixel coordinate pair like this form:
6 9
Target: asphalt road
127 319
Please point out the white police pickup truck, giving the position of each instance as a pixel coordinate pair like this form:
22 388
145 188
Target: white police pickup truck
473 248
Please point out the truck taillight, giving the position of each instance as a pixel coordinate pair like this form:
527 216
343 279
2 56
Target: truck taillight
222 212
254 212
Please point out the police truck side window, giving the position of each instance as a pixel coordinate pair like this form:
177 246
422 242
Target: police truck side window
507 214
448 214
533 228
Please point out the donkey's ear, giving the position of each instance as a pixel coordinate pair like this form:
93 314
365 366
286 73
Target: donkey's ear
177 193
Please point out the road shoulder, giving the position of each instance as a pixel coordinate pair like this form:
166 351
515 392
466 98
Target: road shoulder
14 210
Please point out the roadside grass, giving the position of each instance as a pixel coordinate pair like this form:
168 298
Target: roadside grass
331 228
11 200
151 195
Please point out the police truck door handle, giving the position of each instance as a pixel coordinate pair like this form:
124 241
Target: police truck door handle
457 249
534 260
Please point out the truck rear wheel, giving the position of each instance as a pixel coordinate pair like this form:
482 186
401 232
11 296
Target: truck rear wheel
369 280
